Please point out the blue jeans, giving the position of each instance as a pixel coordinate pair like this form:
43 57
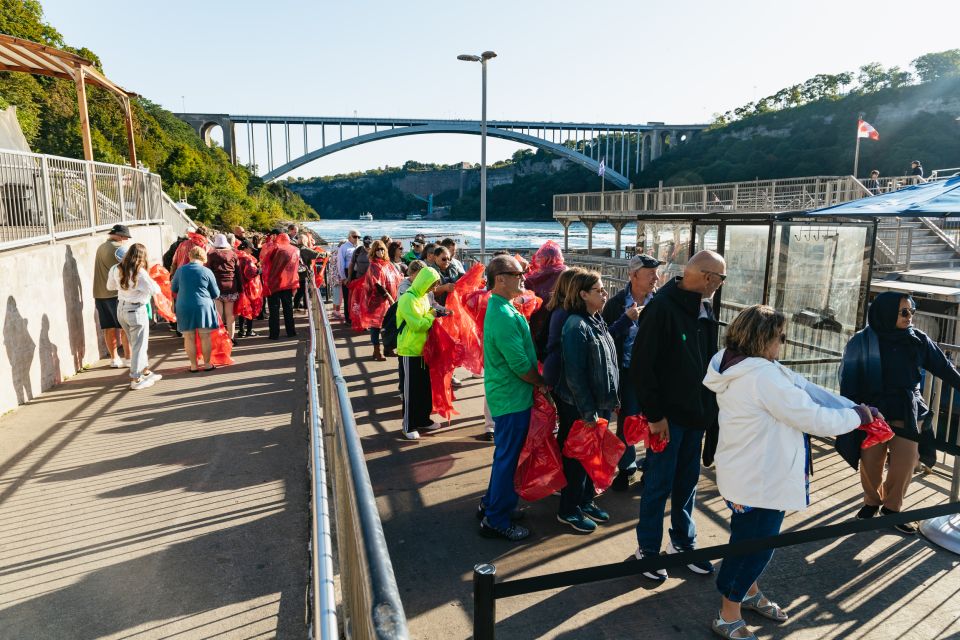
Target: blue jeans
673 473
629 406
510 432
738 573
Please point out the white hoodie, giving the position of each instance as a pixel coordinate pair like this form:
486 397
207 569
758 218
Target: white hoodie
764 411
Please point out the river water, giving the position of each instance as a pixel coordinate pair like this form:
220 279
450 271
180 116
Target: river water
500 234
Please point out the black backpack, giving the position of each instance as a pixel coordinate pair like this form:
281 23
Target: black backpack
389 332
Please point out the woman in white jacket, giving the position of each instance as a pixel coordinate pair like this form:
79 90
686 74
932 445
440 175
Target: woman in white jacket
135 288
763 455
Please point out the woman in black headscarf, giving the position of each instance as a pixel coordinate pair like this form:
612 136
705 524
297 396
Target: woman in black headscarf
882 367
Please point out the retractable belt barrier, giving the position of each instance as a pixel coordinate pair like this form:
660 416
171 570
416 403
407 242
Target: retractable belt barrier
487 590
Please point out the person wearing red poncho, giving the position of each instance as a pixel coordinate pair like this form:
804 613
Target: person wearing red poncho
546 265
280 260
250 303
182 255
587 390
763 456
378 291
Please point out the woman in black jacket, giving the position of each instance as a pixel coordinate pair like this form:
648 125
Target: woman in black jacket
903 353
587 390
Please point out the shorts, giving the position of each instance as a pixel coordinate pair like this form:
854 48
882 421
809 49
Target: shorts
229 297
107 313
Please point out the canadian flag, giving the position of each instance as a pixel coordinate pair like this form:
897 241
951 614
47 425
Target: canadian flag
866 130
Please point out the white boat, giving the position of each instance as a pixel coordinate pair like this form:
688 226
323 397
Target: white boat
366 216
414 216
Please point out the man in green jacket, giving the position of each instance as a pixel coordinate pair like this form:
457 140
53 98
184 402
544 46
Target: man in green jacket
415 316
416 246
510 374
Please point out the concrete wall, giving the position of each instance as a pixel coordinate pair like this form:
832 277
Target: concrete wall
47 321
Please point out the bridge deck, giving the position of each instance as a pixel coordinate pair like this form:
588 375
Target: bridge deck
174 512
876 585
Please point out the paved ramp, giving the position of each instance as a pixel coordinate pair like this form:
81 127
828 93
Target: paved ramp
179 511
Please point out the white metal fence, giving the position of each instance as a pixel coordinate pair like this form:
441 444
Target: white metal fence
44 198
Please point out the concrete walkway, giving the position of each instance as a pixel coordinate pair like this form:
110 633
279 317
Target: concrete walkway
878 585
178 511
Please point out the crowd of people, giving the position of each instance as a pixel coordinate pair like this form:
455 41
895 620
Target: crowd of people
210 286
653 348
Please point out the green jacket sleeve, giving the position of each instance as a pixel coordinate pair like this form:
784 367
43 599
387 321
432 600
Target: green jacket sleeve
406 313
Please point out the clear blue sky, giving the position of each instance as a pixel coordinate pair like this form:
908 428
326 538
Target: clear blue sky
624 61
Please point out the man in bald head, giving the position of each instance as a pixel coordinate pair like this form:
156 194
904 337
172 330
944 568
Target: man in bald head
676 337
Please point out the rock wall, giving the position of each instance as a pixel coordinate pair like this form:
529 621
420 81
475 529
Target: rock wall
47 321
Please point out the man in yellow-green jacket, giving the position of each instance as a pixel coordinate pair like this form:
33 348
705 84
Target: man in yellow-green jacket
414 319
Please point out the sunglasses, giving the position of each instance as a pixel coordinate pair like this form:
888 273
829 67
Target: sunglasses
722 276
907 313
354 237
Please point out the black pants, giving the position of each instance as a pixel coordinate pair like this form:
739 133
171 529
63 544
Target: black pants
246 325
300 299
346 302
284 298
417 396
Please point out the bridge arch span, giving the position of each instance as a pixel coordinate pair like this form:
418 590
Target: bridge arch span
615 177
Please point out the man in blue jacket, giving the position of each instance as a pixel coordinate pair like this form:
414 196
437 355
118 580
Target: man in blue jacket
675 340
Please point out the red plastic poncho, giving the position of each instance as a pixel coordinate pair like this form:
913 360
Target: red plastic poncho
280 261
597 449
527 303
250 302
476 304
546 265
373 304
540 468
356 303
220 347
465 329
878 431
320 268
163 301
182 254
442 354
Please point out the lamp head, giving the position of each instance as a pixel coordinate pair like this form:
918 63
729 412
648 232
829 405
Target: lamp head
468 58
486 55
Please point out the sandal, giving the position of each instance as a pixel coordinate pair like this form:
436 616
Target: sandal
760 604
193 370
209 367
736 630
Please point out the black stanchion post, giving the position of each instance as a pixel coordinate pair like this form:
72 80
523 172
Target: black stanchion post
484 602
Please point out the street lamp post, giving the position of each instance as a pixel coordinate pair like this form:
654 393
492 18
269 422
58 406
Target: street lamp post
482 59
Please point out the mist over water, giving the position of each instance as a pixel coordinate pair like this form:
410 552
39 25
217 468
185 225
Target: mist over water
500 234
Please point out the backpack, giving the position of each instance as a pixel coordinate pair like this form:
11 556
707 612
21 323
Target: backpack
540 331
390 332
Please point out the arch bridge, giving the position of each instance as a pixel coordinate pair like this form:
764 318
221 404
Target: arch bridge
624 148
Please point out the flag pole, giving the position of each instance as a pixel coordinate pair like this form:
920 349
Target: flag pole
856 153
602 184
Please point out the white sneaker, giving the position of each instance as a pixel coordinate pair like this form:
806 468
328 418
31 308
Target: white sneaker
659 574
412 435
157 377
126 363
455 382
143 383
433 426
116 363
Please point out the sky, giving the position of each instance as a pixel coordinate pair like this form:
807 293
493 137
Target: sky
600 61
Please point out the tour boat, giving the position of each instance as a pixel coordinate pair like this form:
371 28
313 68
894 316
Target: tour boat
366 216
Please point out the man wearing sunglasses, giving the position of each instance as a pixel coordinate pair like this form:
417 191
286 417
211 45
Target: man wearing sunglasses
344 258
510 373
676 337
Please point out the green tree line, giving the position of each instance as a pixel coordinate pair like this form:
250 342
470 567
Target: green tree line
47 111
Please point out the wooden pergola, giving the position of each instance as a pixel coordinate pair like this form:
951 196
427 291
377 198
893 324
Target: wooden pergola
26 56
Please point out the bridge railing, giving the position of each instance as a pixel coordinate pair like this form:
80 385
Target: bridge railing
755 196
370 604
45 198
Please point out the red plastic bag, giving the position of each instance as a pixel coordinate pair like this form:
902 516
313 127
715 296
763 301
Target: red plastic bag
220 347
356 303
597 449
462 322
636 429
527 303
442 355
878 431
320 268
539 468
163 301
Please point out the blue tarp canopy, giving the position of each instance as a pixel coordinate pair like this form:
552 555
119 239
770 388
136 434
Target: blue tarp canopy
928 200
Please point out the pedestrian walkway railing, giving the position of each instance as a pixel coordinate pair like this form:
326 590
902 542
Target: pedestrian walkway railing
370 605
46 198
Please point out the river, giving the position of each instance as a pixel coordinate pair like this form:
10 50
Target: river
500 234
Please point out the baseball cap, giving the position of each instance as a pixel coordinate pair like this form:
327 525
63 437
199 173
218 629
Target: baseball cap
643 261
367 239
119 230
422 239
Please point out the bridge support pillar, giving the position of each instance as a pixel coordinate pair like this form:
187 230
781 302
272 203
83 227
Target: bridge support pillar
618 226
589 224
656 149
645 140
566 222
203 123
639 246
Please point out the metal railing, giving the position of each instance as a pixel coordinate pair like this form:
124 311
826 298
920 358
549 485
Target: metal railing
370 606
44 198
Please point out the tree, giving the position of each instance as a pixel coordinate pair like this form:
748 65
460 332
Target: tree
934 66
872 77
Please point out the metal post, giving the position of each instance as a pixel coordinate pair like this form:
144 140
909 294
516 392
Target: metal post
120 198
484 602
91 196
47 196
483 170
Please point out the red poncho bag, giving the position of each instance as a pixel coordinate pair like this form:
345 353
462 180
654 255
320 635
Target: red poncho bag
637 429
540 468
464 325
597 449
182 255
373 304
250 303
320 269
442 354
877 431
163 301
280 261
356 303
220 347
527 303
